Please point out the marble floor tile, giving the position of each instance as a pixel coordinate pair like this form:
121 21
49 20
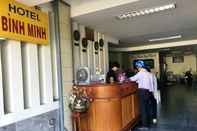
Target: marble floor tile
178 109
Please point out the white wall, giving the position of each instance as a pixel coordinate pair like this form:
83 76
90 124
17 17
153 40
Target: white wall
179 68
66 59
90 58
116 57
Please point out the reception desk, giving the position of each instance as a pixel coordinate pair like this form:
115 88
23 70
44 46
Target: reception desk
114 107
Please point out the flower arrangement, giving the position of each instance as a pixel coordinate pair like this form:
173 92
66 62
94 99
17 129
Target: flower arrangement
79 100
121 77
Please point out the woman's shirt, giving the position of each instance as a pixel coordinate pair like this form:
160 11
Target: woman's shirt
144 80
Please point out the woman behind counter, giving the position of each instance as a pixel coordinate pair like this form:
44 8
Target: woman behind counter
112 75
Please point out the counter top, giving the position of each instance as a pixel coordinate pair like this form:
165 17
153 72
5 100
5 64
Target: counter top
104 91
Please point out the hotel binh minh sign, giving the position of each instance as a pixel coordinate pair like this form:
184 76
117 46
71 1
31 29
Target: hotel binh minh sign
23 23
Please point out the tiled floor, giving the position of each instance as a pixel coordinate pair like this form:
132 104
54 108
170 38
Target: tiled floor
178 110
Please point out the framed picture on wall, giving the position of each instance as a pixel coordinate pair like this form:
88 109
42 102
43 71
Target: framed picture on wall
177 59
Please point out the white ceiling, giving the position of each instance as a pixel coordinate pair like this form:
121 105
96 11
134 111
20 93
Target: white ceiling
79 2
33 2
182 20
100 15
81 7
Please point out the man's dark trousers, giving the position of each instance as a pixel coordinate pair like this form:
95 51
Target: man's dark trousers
144 98
153 107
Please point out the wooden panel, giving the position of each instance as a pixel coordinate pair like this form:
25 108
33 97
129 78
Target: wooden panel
106 92
104 115
84 122
136 105
1 87
31 75
13 79
112 109
127 110
46 84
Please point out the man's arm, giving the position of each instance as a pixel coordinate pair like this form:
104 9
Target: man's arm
135 77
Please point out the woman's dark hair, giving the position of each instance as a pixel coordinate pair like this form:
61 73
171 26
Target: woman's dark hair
115 64
148 69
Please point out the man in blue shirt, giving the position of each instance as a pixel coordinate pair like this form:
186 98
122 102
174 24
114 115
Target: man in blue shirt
145 85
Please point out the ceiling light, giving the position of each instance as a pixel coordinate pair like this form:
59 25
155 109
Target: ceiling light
142 12
138 13
123 16
133 14
128 15
167 7
146 11
165 38
172 6
156 9
151 10
162 8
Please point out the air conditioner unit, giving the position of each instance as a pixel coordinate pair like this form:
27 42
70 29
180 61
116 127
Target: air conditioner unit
83 76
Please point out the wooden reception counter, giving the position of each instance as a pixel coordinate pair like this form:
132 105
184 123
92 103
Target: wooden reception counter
114 107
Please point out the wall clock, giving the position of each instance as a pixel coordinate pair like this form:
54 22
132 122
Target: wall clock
76 35
96 45
101 42
84 42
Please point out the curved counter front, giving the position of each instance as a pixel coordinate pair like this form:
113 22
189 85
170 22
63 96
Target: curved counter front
114 108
